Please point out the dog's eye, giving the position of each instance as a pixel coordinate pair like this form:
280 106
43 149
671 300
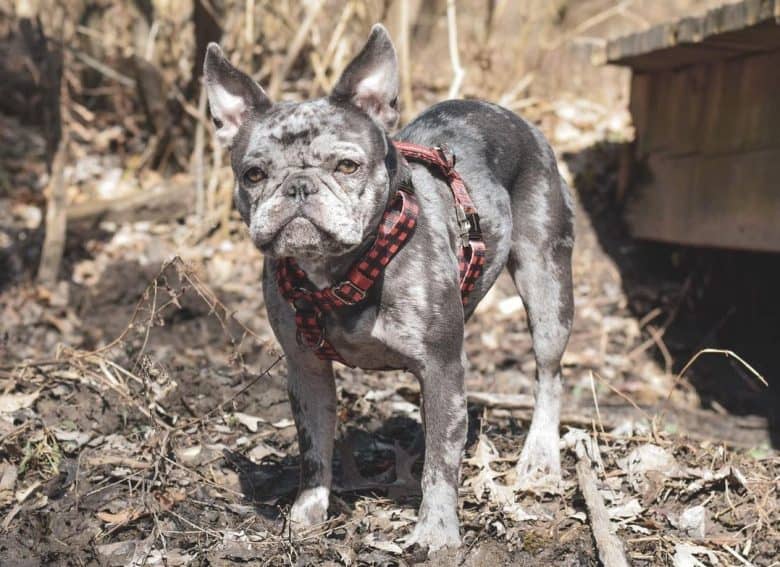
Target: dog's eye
253 176
347 166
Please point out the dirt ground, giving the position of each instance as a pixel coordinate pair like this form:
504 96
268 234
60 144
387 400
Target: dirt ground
144 421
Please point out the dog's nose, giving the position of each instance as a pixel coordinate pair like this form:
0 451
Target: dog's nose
300 187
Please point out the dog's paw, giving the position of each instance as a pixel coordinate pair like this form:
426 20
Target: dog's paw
538 469
434 534
310 508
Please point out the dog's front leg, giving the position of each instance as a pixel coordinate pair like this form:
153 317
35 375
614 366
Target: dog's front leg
312 393
445 421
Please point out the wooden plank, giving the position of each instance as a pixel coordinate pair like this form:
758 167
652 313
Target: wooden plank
725 106
677 56
667 110
728 200
750 25
173 199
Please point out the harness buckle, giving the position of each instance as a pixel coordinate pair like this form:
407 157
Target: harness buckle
346 300
446 155
475 232
464 224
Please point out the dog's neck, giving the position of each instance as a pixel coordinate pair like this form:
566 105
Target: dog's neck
325 272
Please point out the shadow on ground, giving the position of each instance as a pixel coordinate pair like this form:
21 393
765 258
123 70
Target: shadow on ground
705 298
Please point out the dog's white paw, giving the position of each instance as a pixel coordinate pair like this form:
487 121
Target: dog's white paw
310 508
435 534
539 468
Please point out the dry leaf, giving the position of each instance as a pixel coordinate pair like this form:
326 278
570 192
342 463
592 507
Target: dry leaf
387 546
261 451
249 421
10 403
169 498
122 517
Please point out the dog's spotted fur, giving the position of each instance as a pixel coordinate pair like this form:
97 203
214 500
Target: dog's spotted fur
413 318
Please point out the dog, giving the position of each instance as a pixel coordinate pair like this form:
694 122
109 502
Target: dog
313 181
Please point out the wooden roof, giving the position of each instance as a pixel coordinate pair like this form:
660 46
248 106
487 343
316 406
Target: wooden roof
733 29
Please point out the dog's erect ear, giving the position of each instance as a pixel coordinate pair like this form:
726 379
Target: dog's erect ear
370 81
232 95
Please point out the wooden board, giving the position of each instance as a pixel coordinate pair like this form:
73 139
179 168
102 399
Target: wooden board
725 106
707 154
728 201
731 30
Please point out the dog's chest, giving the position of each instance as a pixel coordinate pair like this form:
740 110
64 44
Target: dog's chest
367 339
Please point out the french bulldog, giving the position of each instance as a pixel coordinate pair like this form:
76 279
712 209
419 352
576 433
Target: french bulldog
312 180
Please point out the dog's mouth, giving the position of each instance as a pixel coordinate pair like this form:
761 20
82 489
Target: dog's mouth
303 237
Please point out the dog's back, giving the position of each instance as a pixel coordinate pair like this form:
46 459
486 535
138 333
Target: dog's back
513 178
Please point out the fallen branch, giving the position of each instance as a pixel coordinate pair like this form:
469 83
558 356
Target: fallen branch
523 404
609 545
503 401
163 202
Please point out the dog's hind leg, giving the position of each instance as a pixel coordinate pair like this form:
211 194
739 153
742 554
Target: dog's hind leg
540 265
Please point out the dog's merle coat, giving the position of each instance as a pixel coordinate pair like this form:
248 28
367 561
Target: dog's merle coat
299 199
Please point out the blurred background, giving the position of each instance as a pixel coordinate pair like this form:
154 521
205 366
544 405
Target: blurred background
124 268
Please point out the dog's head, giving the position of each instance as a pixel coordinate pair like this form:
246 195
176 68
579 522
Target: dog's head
311 178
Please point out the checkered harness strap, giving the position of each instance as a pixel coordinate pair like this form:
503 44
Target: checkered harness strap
398 223
395 229
471 253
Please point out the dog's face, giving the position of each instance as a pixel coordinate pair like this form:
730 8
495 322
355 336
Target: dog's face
310 178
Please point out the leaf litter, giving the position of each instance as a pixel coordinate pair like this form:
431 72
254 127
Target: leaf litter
168 440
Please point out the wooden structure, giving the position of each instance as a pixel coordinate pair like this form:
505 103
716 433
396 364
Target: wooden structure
705 101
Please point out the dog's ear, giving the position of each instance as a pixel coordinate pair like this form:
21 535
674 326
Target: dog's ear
370 81
232 95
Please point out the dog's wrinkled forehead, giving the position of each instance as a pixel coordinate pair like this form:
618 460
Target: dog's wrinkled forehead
289 130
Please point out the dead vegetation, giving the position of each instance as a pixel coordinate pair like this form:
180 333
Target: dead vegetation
152 446
143 414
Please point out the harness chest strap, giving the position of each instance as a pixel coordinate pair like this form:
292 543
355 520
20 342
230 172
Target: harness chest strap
396 227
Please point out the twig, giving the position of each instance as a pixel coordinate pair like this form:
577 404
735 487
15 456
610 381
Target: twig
295 48
151 38
503 401
249 28
587 24
406 72
596 402
623 396
737 556
56 218
338 32
197 162
457 70
510 97
727 353
609 545
103 68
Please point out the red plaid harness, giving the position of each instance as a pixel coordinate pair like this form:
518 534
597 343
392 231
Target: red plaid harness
396 227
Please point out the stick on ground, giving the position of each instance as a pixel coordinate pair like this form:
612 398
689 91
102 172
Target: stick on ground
609 545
